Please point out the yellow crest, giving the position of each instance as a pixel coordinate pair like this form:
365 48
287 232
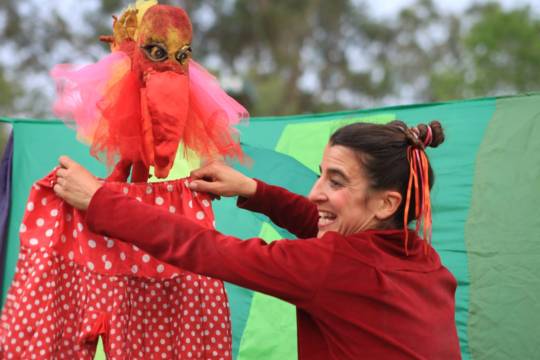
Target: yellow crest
125 27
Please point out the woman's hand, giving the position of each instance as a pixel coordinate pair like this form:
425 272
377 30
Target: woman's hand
219 179
75 184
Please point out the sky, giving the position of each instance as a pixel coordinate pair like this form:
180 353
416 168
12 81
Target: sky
68 8
391 7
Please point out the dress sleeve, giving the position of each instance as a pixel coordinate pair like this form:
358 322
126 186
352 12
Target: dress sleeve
288 269
288 210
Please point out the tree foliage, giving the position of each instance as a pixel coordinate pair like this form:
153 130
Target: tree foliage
284 57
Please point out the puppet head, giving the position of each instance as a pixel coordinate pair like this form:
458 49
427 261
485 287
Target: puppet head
140 102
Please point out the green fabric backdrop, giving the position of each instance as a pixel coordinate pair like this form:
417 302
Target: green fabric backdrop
486 226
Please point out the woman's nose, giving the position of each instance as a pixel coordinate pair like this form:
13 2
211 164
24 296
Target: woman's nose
316 194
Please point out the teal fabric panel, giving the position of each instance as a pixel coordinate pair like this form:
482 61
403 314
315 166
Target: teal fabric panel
503 235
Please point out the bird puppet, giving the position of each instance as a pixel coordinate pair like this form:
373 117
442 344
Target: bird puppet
135 106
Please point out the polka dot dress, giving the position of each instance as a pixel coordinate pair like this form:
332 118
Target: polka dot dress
72 286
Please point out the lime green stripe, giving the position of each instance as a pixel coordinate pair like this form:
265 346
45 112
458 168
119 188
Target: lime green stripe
271 327
503 235
305 141
275 168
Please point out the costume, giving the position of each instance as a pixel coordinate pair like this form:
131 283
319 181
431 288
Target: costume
134 107
357 296
72 285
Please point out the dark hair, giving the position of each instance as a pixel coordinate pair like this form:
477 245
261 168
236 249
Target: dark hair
382 151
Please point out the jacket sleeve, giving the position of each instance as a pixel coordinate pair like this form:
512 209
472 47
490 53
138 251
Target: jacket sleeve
288 210
288 269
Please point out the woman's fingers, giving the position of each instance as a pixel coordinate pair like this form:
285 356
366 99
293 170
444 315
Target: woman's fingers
65 162
60 173
220 179
74 183
205 186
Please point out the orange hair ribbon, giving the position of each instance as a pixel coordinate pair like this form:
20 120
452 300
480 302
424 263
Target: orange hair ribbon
419 178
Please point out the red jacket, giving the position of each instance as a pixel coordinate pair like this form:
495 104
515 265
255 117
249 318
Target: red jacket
357 296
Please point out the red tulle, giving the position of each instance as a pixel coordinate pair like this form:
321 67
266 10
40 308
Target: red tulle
124 115
119 131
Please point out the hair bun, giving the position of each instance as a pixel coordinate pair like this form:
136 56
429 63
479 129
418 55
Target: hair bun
431 135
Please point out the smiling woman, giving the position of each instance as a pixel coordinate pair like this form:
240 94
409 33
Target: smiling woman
341 195
364 285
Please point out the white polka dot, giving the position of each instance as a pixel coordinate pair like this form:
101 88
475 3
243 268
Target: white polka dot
34 241
63 238
159 200
92 243
138 198
199 215
49 233
134 269
190 203
40 222
44 201
71 255
160 268
125 190
148 189
170 188
146 258
122 256
108 265
54 212
110 243
172 209
135 248
206 203
22 228
74 233
80 226
30 206
90 265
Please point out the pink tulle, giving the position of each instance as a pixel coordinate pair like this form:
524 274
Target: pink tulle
81 90
125 114
207 94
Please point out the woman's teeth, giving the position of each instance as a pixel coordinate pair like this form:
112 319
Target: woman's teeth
326 218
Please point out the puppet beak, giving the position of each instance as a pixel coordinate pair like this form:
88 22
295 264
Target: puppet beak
165 105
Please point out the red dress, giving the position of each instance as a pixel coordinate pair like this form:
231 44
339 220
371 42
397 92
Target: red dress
72 285
357 296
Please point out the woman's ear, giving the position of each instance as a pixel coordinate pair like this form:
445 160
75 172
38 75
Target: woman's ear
389 202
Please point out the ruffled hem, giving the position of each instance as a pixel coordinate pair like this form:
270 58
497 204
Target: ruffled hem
56 309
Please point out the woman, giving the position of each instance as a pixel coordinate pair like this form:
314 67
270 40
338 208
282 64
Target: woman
364 285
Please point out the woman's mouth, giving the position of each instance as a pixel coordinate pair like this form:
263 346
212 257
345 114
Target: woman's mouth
326 219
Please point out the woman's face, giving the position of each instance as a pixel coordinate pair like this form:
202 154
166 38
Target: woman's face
342 194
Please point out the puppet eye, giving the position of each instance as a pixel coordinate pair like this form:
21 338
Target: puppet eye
183 54
155 52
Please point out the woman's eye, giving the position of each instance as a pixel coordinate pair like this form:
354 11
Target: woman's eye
155 52
183 55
